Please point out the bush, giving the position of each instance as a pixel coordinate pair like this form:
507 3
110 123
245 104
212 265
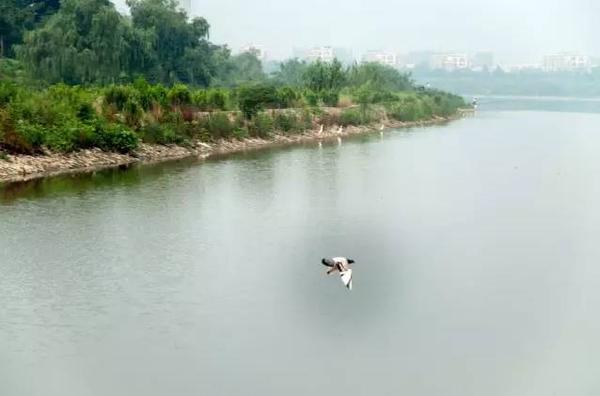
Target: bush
261 126
306 120
286 97
132 112
351 117
219 125
8 91
200 100
23 138
286 122
254 98
160 134
113 137
179 95
311 98
118 96
85 112
216 99
330 98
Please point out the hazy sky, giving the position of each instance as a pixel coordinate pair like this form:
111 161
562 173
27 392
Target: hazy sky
518 31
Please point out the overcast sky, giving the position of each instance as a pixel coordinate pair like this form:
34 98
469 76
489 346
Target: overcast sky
517 31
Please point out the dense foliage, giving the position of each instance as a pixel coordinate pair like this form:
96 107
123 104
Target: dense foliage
78 74
117 117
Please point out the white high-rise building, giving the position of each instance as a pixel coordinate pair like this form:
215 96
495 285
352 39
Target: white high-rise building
566 62
323 54
450 61
381 57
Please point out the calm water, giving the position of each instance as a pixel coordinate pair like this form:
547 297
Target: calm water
477 269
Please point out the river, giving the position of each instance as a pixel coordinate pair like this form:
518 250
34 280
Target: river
476 248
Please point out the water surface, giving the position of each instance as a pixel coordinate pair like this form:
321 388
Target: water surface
477 269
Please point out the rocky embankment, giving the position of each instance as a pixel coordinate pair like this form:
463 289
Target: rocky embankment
26 167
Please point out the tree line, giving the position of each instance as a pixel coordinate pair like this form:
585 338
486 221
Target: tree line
79 74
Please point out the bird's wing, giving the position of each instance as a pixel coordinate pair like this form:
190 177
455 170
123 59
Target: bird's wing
346 277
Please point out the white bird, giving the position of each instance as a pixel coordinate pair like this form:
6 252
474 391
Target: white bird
340 130
382 127
342 265
321 129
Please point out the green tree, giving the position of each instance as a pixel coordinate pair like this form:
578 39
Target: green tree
180 48
379 77
321 76
15 17
241 69
291 73
254 98
76 46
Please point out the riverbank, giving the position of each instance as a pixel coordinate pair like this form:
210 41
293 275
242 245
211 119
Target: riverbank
14 168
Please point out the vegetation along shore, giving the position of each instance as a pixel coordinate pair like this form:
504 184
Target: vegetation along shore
152 87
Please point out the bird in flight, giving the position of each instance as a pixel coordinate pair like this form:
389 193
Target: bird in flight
341 265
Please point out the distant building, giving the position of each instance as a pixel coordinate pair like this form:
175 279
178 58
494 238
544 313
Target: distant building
521 67
482 60
567 62
381 57
450 61
257 50
323 54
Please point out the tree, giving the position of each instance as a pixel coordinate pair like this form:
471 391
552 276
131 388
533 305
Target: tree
320 76
379 77
180 49
244 68
253 98
291 73
85 41
15 17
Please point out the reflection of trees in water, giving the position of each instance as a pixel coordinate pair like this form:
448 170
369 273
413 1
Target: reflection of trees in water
82 182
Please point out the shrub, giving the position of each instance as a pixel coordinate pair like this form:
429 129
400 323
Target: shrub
330 98
85 112
113 137
118 95
286 97
200 99
219 125
158 94
216 99
254 98
25 138
8 91
133 112
311 98
286 122
179 95
159 134
306 120
261 126
406 110
240 133
351 117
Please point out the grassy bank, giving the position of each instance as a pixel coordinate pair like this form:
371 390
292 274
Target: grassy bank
118 118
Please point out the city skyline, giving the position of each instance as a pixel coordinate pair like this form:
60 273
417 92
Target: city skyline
464 26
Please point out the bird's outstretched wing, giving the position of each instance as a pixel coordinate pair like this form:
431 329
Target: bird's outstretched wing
346 277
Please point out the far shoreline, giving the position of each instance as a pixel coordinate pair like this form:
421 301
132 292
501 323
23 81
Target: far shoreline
22 168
